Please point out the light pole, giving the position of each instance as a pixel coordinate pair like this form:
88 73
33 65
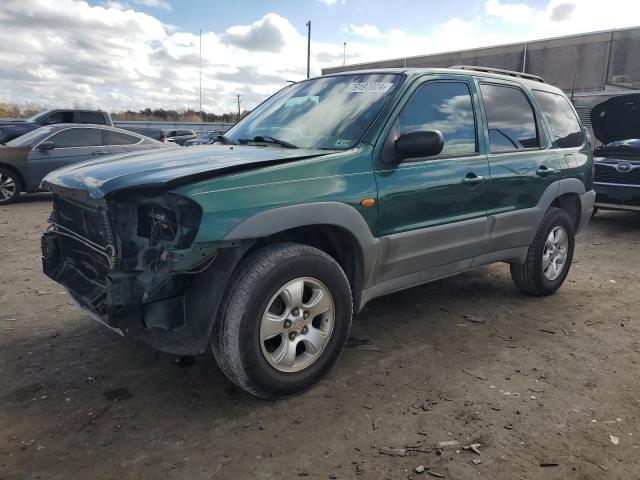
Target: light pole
200 74
308 47
344 53
238 106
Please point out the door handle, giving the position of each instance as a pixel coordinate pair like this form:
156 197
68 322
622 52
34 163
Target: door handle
101 152
543 170
472 179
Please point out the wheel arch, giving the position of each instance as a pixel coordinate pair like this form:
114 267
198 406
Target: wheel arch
336 228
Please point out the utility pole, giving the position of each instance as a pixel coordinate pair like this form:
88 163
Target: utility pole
238 106
200 74
344 53
308 48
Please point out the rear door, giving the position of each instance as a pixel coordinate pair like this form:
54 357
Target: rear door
568 137
432 210
521 160
71 145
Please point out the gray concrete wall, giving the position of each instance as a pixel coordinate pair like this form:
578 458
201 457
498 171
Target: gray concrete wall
595 60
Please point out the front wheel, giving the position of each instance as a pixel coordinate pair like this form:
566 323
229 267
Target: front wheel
9 186
549 256
284 320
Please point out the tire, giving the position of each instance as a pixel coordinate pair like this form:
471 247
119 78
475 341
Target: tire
267 280
10 186
531 276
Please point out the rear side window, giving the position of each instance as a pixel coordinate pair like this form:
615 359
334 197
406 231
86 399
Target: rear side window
443 106
91 117
510 118
119 138
78 137
563 121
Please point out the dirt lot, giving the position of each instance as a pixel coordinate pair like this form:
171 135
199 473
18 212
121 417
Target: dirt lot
551 380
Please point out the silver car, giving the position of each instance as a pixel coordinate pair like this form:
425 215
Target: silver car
25 160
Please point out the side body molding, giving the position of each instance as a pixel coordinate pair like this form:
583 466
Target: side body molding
336 214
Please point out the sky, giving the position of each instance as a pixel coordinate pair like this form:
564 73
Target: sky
131 54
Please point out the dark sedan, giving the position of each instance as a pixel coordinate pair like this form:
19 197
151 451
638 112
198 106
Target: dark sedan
25 160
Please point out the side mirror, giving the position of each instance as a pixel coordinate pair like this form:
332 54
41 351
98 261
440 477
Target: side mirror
48 145
419 143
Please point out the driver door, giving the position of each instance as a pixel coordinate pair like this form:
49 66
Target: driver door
70 145
433 210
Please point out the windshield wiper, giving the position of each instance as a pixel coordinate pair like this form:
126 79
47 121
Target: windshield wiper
267 139
224 139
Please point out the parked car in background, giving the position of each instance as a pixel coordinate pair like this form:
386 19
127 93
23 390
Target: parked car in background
10 129
180 136
616 123
334 191
155 133
25 160
204 138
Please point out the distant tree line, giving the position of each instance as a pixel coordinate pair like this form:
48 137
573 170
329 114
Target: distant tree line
160 114
11 110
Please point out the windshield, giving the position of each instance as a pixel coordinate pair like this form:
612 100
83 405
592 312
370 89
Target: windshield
37 116
324 113
29 138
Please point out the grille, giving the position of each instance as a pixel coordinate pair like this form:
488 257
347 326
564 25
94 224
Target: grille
609 174
88 221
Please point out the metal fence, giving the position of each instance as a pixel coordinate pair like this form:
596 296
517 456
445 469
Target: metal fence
196 126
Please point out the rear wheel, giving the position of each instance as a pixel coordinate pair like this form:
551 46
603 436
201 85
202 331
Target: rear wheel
9 186
549 256
284 320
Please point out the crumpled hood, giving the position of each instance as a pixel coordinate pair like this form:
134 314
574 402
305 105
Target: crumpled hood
617 118
167 167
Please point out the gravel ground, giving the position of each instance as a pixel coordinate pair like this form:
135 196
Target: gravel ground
549 387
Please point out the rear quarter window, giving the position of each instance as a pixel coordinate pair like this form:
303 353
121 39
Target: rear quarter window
564 124
120 138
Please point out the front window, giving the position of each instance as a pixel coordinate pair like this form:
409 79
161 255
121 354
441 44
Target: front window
446 107
330 113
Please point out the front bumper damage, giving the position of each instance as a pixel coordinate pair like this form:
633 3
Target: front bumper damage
164 293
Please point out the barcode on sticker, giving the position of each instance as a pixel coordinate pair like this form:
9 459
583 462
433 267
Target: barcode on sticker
368 87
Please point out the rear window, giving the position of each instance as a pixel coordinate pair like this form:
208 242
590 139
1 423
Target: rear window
510 118
562 120
91 117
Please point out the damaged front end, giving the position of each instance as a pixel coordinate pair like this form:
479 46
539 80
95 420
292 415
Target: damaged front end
132 264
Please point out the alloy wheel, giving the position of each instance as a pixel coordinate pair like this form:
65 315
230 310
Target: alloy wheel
554 256
297 324
7 187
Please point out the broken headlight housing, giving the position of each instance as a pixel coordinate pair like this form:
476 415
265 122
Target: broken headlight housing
156 223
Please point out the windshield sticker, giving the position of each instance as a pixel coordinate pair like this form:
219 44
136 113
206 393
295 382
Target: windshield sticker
377 87
342 142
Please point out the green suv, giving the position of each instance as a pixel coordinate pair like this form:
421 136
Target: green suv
334 191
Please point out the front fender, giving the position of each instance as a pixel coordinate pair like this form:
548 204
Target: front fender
336 214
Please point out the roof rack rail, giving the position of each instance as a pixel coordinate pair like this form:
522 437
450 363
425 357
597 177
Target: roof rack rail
500 71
